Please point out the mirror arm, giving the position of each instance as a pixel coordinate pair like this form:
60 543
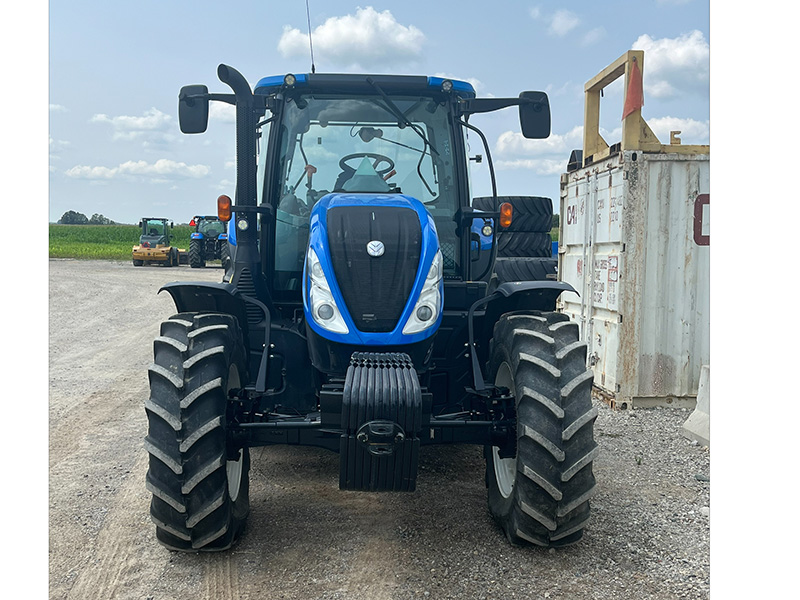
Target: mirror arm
493 250
488 160
469 106
228 98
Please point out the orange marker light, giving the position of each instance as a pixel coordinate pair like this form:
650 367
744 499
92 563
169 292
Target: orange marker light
506 213
224 208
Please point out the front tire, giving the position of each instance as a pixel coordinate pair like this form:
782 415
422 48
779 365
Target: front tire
199 482
224 255
541 496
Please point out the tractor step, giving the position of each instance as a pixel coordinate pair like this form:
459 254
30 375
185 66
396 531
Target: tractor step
382 415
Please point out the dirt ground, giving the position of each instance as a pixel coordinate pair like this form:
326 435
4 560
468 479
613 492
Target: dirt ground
305 538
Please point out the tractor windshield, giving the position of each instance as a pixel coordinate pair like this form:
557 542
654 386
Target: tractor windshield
154 227
210 228
353 145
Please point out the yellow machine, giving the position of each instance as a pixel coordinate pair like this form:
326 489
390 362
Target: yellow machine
154 245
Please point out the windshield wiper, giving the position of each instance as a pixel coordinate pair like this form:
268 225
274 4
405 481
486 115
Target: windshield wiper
403 120
401 117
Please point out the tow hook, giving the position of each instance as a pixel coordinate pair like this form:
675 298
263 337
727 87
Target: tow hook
380 437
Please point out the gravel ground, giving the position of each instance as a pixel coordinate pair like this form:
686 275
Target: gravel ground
648 537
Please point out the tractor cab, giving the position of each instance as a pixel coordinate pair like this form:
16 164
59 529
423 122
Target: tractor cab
208 226
155 232
154 244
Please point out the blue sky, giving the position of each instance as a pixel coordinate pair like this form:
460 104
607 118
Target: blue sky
115 70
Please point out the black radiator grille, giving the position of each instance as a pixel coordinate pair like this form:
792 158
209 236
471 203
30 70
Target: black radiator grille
375 289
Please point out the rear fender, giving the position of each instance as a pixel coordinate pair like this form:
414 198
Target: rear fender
197 236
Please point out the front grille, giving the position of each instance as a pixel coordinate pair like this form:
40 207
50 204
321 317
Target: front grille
375 289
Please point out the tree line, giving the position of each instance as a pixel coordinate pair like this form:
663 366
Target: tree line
75 218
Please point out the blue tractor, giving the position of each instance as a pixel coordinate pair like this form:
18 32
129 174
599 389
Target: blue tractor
360 314
208 241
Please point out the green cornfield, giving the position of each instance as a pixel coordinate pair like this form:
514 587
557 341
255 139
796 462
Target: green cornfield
114 242
109 242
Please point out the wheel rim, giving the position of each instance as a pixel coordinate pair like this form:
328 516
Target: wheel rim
234 468
505 469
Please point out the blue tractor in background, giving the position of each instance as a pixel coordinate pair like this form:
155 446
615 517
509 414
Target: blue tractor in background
362 313
208 241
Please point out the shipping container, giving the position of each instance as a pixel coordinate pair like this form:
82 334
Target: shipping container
634 243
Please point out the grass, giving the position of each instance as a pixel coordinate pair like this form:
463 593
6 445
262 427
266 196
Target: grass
109 242
113 242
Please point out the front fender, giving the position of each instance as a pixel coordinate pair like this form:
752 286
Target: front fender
206 296
535 295
508 297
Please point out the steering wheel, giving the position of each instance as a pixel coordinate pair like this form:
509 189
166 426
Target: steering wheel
378 158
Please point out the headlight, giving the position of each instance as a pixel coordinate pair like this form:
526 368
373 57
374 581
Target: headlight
321 303
429 305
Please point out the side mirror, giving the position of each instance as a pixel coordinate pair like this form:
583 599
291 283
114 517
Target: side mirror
140 224
534 115
193 108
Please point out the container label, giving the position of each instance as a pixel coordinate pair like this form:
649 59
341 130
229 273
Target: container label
613 268
701 218
604 282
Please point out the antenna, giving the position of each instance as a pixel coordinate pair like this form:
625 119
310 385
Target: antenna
310 43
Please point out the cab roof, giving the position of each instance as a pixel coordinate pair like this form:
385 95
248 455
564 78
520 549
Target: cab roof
350 83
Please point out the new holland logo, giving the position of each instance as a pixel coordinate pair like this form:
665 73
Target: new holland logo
375 248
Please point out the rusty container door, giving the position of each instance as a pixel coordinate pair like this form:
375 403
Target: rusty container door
634 241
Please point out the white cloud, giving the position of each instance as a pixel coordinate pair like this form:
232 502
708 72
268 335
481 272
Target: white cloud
154 125
57 108
365 40
222 112
673 66
544 157
562 22
226 185
160 171
511 144
549 156
55 147
692 132
540 166
594 36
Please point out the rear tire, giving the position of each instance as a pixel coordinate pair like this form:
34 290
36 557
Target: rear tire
520 243
523 268
196 258
137 263
199 482
541 496
532 214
